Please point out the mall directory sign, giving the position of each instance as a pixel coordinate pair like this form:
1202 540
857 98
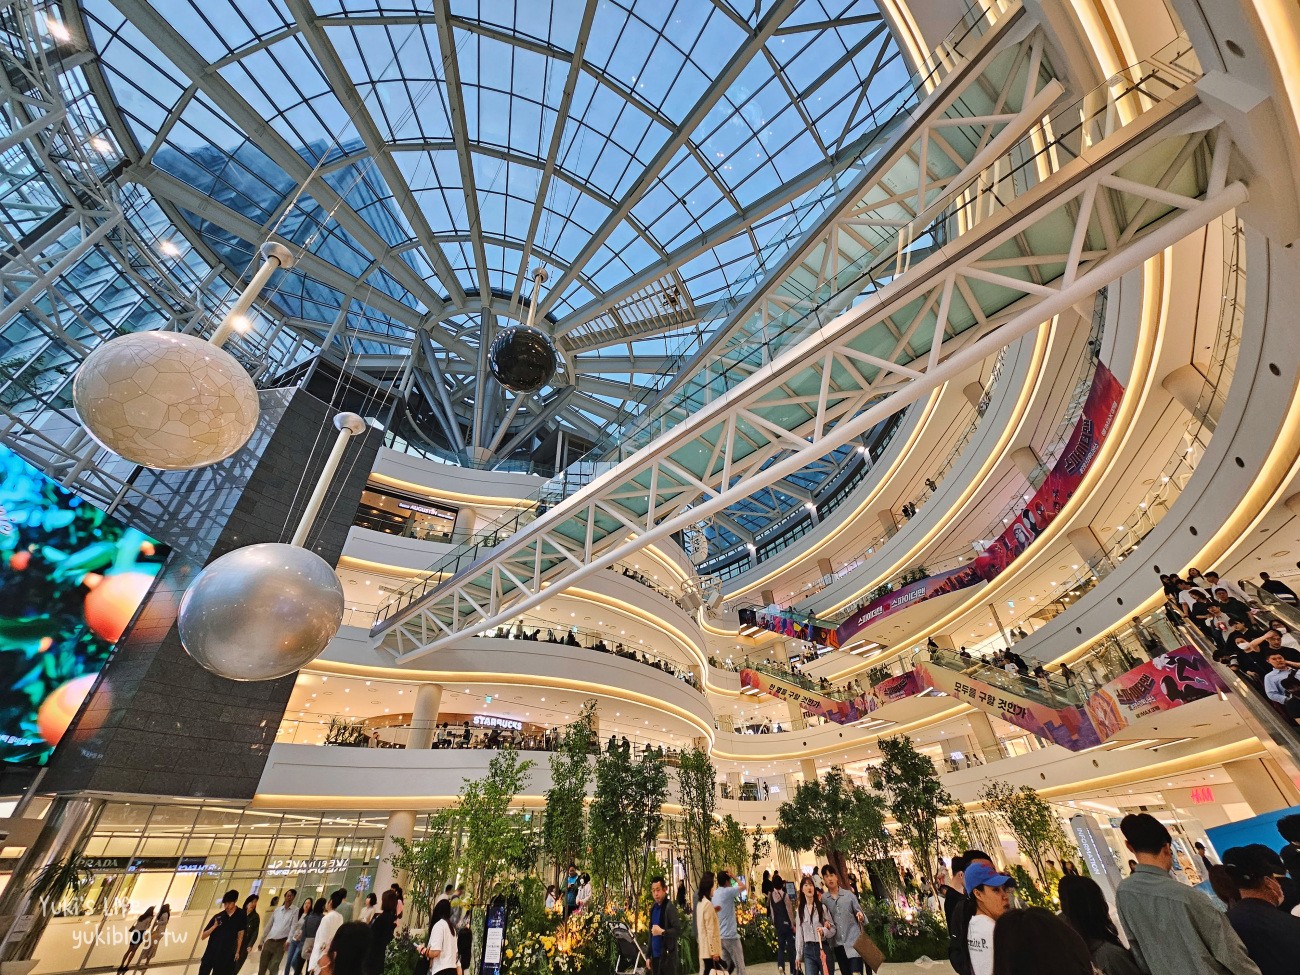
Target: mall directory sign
71 579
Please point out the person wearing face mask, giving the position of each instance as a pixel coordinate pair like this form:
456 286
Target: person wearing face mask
1271 936
1173 929
990 895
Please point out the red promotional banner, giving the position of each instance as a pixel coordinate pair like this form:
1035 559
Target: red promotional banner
1178 677
1090 431
788 626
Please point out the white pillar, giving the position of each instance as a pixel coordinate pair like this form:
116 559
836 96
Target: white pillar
985 737
1027 463
1084 541
1187 385
466 523
424 717
401 824
1263 785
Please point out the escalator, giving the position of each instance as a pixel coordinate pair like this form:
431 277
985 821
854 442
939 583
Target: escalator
842 707
1074 716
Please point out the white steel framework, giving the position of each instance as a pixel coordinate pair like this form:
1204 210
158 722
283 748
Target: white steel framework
1087 196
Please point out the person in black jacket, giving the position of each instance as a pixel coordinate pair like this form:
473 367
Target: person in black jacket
781 910
1271 936
665 929
956 909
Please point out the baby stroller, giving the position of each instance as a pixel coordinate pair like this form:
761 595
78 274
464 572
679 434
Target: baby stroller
630 960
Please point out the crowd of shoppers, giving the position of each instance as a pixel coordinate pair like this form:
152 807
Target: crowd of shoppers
1248 637
1165 927
573 637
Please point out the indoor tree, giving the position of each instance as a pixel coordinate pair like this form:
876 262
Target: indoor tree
624 820
498 840
429 861
730 851
833 817
564 823
916 799
697 792
1030 819
760 848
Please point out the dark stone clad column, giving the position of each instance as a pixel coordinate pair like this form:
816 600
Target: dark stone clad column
156 722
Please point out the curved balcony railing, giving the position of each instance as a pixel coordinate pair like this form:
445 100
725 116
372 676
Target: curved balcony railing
537 630
382 731
1168 485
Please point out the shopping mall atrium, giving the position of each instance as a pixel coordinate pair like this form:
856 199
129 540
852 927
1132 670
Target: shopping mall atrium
391 387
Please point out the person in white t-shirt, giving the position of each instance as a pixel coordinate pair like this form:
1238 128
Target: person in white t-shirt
330 923
991 893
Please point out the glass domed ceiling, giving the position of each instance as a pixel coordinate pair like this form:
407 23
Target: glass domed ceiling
424 156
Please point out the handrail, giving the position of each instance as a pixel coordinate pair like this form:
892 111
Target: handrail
531 629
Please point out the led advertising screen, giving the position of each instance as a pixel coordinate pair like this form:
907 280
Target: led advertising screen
71 578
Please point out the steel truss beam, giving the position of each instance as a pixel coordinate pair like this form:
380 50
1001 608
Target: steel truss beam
1042 229
975 113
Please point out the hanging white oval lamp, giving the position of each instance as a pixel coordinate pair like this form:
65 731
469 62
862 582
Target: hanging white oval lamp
172 401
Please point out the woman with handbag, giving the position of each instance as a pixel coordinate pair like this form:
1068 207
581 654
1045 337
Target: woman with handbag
440 948
811 925
707 930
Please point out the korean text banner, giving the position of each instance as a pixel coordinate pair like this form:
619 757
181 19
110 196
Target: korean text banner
841 712
1169 681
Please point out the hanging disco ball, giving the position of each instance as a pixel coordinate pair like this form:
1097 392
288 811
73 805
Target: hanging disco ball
165 400
261 612
522 359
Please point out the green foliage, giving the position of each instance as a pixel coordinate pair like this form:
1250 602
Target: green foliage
1027 889
697 793
730 851
916 799
401 956
61 885
350 734
497 838
877 675
564 823
538 943
760 848
1030 819
835 819
625 819
757 936
905 936
961 831
427 861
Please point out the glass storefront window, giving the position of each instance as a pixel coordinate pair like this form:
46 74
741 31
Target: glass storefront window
395 513
187 855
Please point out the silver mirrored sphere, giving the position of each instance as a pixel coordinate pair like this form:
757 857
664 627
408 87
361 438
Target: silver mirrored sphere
522 359
261 612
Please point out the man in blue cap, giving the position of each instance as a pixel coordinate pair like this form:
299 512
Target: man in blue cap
990 894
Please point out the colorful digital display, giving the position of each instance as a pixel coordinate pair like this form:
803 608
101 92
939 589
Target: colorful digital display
71 578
